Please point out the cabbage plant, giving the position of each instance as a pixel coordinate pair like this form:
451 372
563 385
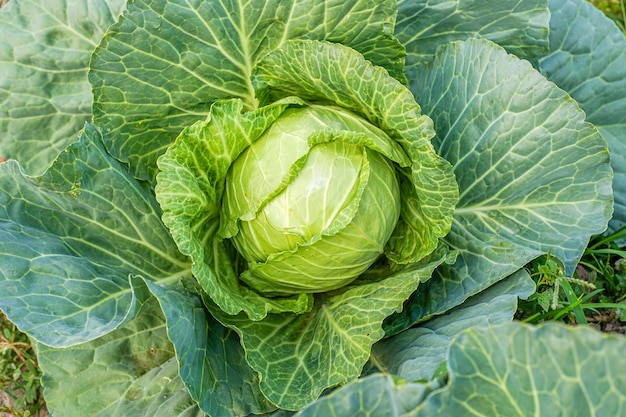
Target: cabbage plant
310 207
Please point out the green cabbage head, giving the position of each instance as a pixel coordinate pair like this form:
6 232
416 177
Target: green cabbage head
307 216
329 174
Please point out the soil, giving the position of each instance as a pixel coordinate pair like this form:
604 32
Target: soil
7 404
607 322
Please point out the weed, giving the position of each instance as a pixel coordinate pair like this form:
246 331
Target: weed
19 374
596 293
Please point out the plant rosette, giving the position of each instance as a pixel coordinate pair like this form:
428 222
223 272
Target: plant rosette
305 206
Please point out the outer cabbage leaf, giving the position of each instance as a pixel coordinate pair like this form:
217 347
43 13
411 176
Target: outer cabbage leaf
45 97
587 59
508 369
128 372
210 357
162 66
533 175
516 370
520 26
330 72
378 395
69 240
190 187
418 352
299 356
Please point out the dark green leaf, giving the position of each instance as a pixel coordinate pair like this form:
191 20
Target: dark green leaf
45 98
533 175
416 353
377 395
162 66
520 26
210 357
587 59
510 370
128 372
69 240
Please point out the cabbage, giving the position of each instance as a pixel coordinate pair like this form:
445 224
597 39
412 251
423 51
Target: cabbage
234 208
310 216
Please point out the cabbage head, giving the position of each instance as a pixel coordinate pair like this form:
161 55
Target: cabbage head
311 215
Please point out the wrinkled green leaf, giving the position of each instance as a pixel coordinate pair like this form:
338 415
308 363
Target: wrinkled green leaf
45 97
587 59
128 372
323 71
433 297
533 175
210 357
69 240
520 26
516 370
417 353
299 356
162 66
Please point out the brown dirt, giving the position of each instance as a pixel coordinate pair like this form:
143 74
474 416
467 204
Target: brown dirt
7 404
607 322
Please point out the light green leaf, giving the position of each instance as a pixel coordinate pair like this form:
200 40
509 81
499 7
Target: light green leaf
415 354
533 175
210 357
45 97
190 187
162 66
587 59
377 395
520 26
128 372
299 356
69 240
434 297
330 72
515 370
